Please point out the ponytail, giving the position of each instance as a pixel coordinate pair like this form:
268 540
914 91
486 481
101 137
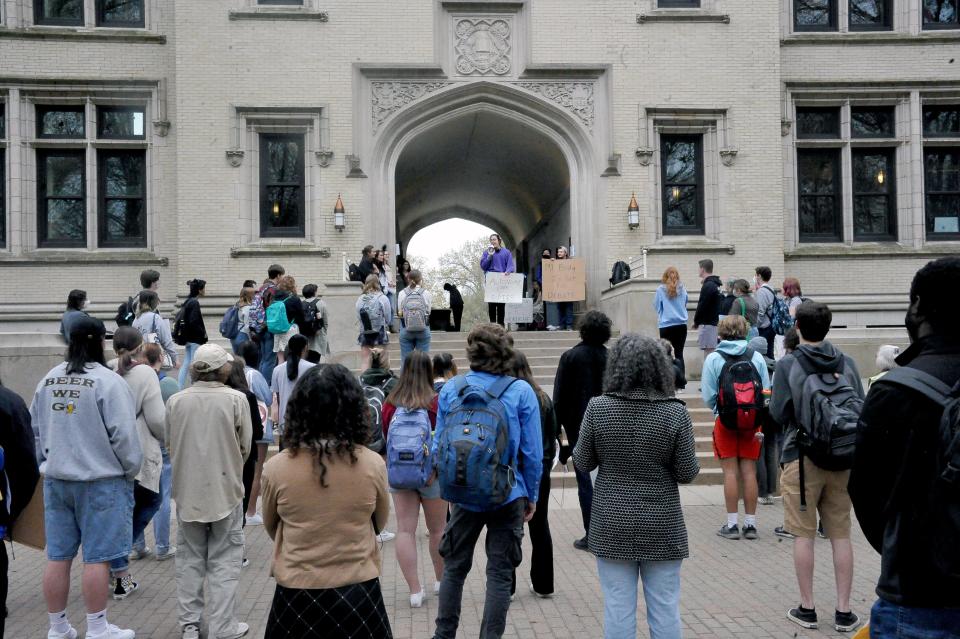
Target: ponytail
296 346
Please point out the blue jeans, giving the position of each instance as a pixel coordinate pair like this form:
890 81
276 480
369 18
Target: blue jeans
94 514
268 359
184 376
890 621
661 592
146 503
161 521
238 340
585 495
413 342
565 309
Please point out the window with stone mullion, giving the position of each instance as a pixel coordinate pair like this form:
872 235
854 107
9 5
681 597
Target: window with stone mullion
870 15
682 179
874 194
121 189
58 12
820 195
815 15
61 198
282 185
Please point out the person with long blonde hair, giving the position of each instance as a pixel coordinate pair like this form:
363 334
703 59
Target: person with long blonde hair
671 306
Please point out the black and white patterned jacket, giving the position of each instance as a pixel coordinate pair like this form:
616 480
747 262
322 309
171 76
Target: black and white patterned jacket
643 444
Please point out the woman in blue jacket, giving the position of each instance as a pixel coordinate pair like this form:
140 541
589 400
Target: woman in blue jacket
671 305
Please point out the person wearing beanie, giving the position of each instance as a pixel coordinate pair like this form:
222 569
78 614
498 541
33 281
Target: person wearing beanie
208 433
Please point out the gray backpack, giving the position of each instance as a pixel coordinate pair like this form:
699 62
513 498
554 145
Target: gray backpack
371 315
415 315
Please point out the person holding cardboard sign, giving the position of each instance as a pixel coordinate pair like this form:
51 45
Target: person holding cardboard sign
497 259
564 309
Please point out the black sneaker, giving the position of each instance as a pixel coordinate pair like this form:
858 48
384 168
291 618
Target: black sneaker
749 532
803 617
845 621
780 531
581 544
729 532
820 532
124 587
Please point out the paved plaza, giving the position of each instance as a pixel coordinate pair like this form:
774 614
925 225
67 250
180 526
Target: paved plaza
730 588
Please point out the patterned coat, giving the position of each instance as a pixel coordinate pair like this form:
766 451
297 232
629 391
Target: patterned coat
643 444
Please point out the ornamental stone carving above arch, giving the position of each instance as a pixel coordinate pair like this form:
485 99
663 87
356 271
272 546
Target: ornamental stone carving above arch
483 46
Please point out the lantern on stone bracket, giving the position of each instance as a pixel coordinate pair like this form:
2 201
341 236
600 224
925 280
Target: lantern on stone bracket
633 212
339 214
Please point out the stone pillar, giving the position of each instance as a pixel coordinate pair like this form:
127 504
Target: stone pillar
342 331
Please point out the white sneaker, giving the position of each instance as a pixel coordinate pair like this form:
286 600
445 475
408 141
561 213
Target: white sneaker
416 600
169 554
553 328
69 634
138 553
190 631
256 520
113 632
385 535
242 630
538 594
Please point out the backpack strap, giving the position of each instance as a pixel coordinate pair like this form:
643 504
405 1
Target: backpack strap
499 387
924 383
460 384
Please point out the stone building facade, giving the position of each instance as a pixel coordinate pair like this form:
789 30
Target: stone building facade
210 139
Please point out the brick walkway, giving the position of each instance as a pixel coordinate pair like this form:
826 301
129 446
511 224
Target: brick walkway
730 588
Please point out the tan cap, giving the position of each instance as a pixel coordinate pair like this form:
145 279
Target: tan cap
211 357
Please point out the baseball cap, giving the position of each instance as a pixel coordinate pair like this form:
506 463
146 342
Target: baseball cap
211 357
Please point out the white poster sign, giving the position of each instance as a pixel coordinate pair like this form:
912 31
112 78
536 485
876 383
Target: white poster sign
503 289
521 313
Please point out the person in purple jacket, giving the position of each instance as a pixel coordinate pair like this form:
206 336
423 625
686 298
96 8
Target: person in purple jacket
497 259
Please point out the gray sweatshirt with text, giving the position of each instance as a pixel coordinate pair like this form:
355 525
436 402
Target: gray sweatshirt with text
85 425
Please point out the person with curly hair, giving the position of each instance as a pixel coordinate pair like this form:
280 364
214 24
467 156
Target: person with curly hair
640 437
580 378
324 499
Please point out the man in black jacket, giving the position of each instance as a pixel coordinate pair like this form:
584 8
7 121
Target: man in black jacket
898 450
19 478
456 305
580 379
708 308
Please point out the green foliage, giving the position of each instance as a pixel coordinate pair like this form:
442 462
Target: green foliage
460 267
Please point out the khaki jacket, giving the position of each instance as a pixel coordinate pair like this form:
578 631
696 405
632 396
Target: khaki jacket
208 435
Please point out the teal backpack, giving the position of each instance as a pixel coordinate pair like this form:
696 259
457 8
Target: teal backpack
277 321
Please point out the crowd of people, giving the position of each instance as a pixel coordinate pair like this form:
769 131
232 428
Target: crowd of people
117 440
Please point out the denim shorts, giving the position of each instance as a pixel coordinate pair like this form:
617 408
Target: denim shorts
97 514
427 492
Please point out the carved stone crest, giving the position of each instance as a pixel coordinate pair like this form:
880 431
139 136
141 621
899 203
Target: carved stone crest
390 97
576 97
483 46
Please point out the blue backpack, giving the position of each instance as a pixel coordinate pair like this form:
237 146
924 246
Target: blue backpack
779 313
409 440
230 324
277 321
476 467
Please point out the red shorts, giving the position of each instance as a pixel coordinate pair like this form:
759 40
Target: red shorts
728 443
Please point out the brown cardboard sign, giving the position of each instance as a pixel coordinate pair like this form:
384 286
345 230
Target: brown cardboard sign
564 280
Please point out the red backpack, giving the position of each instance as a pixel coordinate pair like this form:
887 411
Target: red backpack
740 401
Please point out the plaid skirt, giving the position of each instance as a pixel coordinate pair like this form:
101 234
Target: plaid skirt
350 612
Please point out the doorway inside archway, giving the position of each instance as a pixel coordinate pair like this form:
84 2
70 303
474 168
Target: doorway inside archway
486 167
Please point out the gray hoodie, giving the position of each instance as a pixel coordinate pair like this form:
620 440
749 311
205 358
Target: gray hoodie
85 425
826 359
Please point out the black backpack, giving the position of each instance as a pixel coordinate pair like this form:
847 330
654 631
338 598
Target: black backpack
621 273
126 313
354 272
943 529
310 324
740 401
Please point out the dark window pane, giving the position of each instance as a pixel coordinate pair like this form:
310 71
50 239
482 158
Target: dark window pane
942 187
678 4
3 123
122 13
872 122
682 176
870 14
120 122
282 188
941 120
874 194
283 161
122 191
817 122
64 175
3 200
818 180
60 122
814 15
68 12
940 13
65 221
297 2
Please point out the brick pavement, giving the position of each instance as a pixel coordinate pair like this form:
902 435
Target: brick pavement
730 589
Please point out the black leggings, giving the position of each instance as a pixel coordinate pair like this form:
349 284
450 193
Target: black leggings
677 336
496 312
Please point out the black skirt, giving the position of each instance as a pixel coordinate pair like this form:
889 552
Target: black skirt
350 612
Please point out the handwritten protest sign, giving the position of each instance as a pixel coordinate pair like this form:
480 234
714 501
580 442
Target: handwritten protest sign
564 280
521 313
503 289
